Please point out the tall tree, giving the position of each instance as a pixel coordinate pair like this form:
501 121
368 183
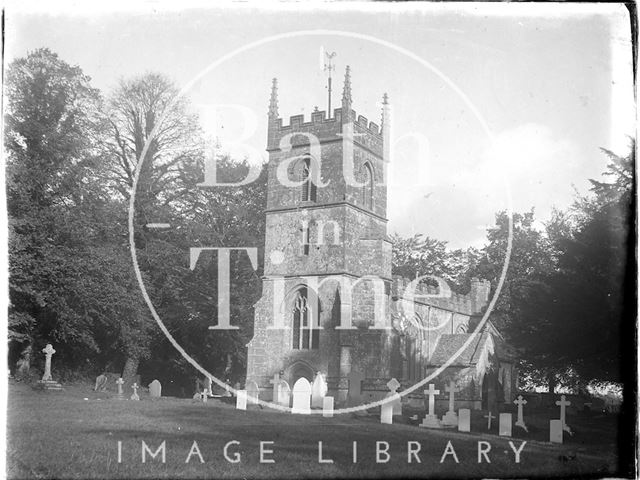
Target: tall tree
65 275
146 116
590 303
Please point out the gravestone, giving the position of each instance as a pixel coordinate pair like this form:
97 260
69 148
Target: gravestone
119 383
464 420
396 401
354 395
47 382
318 390
301 397
284 394
504 427
48 352
431 420
563 403
155 389
135 392
555 431
253 392
24 363
241 399
327 407
101 383
276 388
450 418
520 402
386 413
489 417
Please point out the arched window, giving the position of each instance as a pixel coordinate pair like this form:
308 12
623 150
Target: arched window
306 335
308 193
367 188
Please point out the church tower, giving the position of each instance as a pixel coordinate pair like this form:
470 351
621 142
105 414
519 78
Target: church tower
326 229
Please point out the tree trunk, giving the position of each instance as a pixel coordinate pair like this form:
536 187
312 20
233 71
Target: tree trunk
130 369
551 379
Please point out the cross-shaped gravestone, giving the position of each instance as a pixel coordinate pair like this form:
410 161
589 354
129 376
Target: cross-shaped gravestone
521 402
430 420
563 403
396 401
135 392
119 383
276 387
450 418
48 351
489 417
432 392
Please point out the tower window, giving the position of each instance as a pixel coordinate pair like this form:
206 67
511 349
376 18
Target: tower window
305 238
367 187
306 335
309 188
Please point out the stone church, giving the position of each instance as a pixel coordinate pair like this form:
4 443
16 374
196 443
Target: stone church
330 303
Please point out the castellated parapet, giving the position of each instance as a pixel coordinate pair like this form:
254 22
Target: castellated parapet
365 133
471 303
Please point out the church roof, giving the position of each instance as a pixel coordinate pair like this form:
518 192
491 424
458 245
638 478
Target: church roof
449 344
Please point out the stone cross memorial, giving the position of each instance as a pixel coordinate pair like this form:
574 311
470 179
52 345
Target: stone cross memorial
520 402
431 420
301 397
396 401
48 351
563 403
119 384
489 418
450 418
135 392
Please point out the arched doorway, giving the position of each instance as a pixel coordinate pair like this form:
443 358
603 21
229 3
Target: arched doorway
299 370
491 390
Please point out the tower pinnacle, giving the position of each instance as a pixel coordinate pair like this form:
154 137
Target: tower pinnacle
346 92
273 102
385 109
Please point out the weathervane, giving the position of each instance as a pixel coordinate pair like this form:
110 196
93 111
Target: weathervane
328 67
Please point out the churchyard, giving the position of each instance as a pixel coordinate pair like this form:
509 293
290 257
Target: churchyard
78 432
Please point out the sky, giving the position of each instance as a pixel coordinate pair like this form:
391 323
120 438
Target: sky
494 105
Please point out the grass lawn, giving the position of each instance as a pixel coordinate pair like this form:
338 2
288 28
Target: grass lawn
61 435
